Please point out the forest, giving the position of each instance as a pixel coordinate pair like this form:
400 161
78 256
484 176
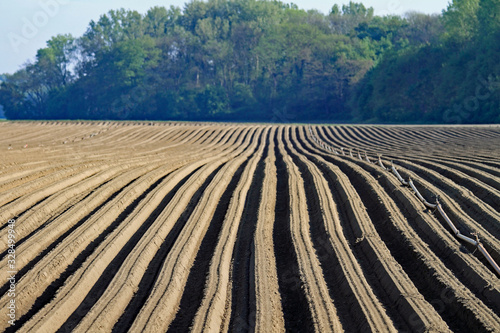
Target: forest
269 61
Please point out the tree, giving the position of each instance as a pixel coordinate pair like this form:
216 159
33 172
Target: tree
423 28
264 60
158 21
57 60
343 21
488 16
26 93
460 20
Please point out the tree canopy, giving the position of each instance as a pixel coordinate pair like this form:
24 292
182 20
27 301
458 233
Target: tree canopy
250 60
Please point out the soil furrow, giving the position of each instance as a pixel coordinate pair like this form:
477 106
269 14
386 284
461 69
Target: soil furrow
147 226
215 310
99 287
323 312
394 285
296 312
163 303
243 312
457 311
269 312
358 308
66 305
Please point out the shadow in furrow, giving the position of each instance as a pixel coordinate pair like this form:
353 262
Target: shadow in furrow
50 220
193 291
20 215
296 312
348 226
243 312
154 267
193 295
348 309
43 253
456 315
51 290
107 276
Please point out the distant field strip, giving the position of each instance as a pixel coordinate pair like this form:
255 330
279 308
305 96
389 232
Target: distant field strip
205 227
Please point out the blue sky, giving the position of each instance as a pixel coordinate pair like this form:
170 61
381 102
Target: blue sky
25 25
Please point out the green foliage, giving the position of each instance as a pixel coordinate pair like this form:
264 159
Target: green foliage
488 16
268 61
461 20
452 79
345 20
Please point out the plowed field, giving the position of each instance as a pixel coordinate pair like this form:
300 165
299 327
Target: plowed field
156 227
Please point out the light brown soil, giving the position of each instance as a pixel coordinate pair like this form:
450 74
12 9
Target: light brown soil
154 227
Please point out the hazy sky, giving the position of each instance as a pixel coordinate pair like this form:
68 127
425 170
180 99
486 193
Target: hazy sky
25 25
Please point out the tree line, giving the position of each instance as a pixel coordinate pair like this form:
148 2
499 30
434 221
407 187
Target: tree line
249 60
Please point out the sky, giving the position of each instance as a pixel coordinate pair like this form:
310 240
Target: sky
26 25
